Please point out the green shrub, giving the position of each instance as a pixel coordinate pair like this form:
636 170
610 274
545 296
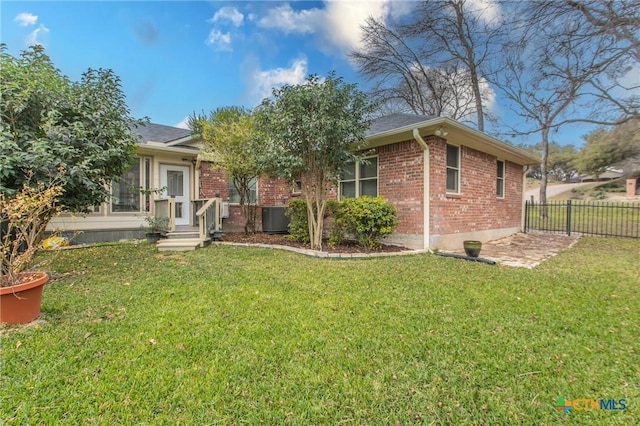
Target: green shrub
299 220
366 219
599 194
614 186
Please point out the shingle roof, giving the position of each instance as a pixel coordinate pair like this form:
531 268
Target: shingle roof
394 121
152 132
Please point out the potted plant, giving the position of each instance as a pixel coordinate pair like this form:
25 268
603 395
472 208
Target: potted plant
156 227
472 248
24 217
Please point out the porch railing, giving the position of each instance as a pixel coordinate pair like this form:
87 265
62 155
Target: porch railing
210 218
166 208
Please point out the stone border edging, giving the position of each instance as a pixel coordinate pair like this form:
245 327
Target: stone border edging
323 254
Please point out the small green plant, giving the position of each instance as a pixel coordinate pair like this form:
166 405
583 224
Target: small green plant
366 219
599 194
156 225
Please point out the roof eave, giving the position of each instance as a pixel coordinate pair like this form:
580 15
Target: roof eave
157 146
497 147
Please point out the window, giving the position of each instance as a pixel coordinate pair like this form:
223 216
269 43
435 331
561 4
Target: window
500 179
453 169
234 196
297 186
130 193
360 179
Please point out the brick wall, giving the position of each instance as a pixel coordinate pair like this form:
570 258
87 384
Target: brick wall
272 191
400 181
476 207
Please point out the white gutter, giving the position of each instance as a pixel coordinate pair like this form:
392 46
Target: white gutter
425 192
156 146
525 169
525 156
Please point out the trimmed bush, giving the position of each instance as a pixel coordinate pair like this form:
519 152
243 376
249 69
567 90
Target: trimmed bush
298 220
366 219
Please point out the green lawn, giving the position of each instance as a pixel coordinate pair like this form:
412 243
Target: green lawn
590 217
230 335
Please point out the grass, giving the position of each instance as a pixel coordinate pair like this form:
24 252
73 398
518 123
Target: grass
596 218
230 335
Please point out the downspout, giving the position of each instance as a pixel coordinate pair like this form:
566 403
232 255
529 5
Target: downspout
425 195
525 169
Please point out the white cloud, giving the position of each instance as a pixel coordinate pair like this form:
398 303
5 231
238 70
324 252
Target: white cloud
228 13
183 124
219 41
35 37
337 25
261 82
345 18
25 19
287 20
487 10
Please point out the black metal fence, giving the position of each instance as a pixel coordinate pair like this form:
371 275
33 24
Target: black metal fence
584 217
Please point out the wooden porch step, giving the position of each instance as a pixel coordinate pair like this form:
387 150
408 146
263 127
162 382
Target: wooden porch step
183 235
180 244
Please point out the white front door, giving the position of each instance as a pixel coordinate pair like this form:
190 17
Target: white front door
175 183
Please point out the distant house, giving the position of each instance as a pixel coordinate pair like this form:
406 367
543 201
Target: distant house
448 181
609 174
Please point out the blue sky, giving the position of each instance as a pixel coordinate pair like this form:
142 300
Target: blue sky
175 58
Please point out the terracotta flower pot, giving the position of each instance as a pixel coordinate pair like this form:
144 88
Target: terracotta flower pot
20 303
472 248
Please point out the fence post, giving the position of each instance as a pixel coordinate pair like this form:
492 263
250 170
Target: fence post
569 217
526 215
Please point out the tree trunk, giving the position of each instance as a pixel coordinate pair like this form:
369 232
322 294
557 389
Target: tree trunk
544 171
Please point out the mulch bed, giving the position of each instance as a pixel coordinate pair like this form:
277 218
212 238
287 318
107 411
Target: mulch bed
284 240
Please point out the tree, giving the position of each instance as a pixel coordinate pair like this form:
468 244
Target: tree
49 123
233 143
606 148
612 26
561 162
408 59
403 82
313 131
553 74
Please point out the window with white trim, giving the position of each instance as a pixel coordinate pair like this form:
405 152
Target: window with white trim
360 178
453 169
234 196
131 193
500 179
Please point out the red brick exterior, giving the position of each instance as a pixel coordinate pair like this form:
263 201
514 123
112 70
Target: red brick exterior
272 191
476 207
401 181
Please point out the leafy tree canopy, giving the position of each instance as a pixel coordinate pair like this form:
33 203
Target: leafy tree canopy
48 122
233 143
313 131
561 161
605 148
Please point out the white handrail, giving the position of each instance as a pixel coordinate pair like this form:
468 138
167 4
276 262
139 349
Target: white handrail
209 218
